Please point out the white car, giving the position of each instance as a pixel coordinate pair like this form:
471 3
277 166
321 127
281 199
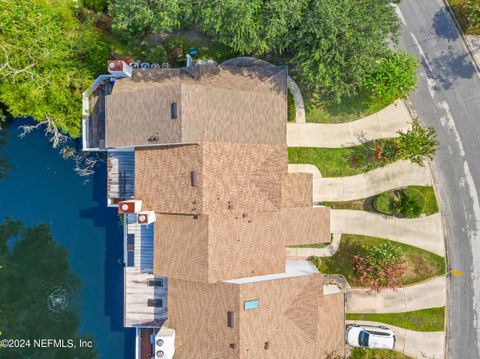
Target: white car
366 336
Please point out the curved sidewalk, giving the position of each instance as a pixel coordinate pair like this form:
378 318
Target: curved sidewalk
428 294
424 232
298 99
412 343
383 124
327 251
396 175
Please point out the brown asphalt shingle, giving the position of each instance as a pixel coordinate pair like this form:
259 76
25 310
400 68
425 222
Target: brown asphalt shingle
222 104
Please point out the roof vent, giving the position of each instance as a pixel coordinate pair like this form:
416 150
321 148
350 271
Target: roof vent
230 319
153 139
194 178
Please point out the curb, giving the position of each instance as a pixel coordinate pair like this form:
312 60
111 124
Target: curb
462 35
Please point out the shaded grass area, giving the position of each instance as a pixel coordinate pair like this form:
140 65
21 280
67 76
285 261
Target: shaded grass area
348 109
418 264
312 245
291 107
425 196
208 49
359 353
461 11
340 162
426 320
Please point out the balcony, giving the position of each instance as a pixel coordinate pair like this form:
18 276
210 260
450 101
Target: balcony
121 175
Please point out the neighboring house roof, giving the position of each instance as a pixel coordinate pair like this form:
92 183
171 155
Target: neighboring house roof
214 103
231 178
292 320
217 247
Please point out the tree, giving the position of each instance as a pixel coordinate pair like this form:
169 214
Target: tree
381 267
140 16
254 26
406 205
418 144
394 78
47 58
39 292
339 43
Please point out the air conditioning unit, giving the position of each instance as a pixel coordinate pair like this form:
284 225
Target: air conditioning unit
146 217
130 206
165 343
119 68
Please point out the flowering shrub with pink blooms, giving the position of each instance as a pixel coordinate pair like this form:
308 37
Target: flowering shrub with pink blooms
381 267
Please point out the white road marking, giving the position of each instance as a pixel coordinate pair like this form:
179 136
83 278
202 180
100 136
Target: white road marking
399 13
448 122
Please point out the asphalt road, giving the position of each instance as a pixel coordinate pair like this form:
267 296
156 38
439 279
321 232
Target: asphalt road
448 98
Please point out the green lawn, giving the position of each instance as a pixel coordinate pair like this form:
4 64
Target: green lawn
348 109
418 263
291 107
426 320
339 162
359 353
312 245
460 8
425 196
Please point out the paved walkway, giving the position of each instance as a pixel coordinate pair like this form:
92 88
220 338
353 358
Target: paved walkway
474 41
414 344
298 99
383 124
428 294
327 251
424 232
396 175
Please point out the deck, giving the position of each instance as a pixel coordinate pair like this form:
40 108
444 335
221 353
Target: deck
121 175
140 299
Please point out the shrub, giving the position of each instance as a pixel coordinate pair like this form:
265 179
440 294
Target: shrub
380 267
156 54
175 50
406 205
97 5
395 77
473 14
417 144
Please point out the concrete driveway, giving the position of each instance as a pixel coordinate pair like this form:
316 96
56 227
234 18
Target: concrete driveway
428 294
429 345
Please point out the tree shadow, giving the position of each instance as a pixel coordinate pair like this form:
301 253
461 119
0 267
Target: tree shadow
453 67
444 26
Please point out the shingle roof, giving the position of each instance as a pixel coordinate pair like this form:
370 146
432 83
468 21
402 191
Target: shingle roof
232 178
225 104
217 247
293 318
